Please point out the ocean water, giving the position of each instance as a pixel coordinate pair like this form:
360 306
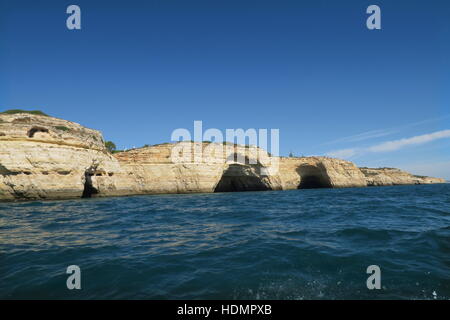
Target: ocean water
298 244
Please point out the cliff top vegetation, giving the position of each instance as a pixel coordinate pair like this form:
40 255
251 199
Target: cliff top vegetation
15 111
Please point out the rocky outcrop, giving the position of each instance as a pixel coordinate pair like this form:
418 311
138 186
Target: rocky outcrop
47 158
319 172
198 167
392 176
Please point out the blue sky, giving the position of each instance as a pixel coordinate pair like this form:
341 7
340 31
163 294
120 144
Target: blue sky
137 70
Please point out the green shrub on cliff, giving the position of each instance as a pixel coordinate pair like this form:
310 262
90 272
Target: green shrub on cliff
62 128
111 146
35 112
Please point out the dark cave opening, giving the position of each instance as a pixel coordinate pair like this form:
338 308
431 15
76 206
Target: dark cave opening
89 189
312 182
313 177
33 130
240 178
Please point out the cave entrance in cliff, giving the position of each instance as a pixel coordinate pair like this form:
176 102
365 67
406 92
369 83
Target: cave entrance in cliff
34 130
313 177
240 177
89 189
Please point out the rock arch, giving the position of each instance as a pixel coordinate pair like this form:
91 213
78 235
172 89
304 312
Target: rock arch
312 177
239 177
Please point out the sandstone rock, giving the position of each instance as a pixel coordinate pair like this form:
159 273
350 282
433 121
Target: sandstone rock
47 158
392 176
319 172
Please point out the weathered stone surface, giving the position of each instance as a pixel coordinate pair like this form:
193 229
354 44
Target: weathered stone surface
392 176
319 172
199 169
36 128
48 158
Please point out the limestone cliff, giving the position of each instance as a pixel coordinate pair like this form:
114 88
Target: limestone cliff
47 158
392 176
319 172
202 167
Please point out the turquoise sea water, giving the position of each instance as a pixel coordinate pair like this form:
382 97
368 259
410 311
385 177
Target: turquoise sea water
299 244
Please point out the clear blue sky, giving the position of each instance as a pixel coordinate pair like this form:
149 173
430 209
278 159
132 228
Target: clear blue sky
140 69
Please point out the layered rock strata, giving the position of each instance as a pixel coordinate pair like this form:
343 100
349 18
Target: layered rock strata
47 158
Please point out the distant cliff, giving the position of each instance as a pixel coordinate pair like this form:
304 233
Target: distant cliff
392 176
47 158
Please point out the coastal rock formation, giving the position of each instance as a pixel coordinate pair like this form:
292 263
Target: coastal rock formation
319 172
197 167
392 176
47 158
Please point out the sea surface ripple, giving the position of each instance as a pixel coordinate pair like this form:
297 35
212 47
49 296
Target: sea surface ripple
298 244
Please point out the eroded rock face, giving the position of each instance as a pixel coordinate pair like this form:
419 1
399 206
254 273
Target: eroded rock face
392 176
319 172
47 158
242 177
198 167
35 128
